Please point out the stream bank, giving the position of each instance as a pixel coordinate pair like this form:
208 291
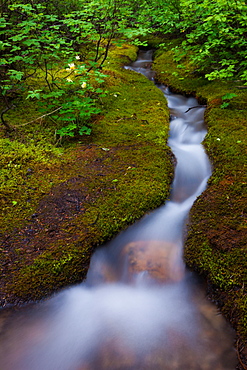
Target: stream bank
217 238
65 207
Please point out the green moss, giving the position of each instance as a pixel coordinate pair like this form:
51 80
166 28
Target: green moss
52 271
22 179
178 76
133 185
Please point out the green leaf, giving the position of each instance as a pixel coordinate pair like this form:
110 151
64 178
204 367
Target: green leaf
30 42
224 105
67 130
85 130
229 96
33 94
15 75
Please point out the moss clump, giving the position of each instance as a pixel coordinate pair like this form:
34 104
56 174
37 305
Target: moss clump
180 77
94 188
217 238
26 173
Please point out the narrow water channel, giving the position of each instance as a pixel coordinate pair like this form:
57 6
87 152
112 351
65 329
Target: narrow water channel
139 308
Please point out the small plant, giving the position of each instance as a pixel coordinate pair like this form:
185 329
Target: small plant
71 101
226 99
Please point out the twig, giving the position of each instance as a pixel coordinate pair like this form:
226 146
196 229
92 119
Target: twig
96 219
197 106
239 358
44 115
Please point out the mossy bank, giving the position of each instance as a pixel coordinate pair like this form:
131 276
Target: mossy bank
58 204
217 237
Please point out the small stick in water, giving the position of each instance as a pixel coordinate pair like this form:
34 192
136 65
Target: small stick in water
196 106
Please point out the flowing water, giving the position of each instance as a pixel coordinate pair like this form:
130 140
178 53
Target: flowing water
139 307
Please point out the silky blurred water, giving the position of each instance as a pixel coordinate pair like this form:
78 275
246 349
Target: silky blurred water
139 307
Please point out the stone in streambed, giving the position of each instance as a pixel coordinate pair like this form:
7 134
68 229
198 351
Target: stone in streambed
160 259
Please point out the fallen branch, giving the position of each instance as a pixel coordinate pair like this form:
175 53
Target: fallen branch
196 106
36 119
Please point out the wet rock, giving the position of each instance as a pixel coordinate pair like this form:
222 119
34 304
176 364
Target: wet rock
161 260
146 259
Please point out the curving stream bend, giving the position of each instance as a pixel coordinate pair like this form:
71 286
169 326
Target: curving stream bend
139 307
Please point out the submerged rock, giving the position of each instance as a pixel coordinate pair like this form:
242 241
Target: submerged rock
161 260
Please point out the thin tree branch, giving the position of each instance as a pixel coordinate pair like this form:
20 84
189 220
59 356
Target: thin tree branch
36 119
6 125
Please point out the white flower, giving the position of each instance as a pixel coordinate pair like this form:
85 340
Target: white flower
69 79
77 57
72 65
218 139
83 85
115 95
